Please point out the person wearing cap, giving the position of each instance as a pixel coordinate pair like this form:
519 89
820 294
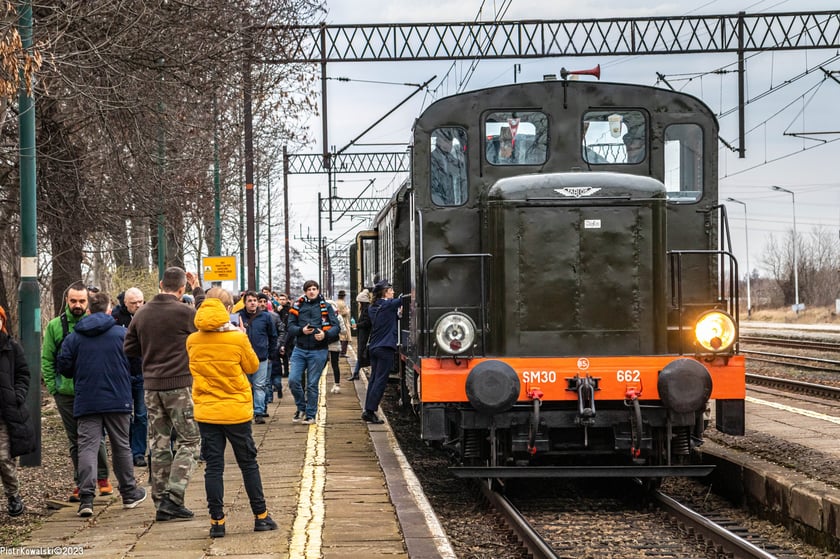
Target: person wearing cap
314 325
17 434
384 314
363 332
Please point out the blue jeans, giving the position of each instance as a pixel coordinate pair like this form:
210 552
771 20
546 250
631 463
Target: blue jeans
312 361
138 429
213 439
259 386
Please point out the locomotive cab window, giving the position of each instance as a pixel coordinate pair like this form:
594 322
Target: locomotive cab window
610 137
516 138
448 166
684 162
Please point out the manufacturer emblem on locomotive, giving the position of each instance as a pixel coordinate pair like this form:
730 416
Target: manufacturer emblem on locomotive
583 363
577 191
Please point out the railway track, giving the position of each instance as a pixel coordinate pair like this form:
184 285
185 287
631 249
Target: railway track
696 535
809 388
801 361
794 343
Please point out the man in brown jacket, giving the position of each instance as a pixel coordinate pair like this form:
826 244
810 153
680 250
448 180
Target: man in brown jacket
158 334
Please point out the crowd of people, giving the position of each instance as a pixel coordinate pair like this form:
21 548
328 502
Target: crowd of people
172 381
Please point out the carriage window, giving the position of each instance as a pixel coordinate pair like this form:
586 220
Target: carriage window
516 138
448 169
684 162
610 137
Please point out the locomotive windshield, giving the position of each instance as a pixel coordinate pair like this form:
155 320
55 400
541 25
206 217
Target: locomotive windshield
611 137
516 138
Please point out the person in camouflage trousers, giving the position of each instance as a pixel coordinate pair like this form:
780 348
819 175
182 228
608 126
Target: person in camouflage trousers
158 333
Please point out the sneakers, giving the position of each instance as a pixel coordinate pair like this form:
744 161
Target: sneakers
85 509
309 421
15 506
336 389
264 523
217 527
134 498
167 510
371 417
74 497
140 461
105 488
298 416
259 420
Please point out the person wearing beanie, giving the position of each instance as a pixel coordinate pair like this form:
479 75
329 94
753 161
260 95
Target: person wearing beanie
314 325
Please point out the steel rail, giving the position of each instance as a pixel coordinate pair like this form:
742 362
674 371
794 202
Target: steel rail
819 390
786 342
530 538
771 358
739 547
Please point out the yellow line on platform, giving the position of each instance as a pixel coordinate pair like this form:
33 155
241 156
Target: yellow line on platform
306 533
800 411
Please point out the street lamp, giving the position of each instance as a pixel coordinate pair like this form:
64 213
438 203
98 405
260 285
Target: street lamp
747 238
795 262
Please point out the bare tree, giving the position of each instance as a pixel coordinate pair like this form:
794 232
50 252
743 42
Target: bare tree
125 119
817 257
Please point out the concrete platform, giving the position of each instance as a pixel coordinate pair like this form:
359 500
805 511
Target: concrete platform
808 506
337 489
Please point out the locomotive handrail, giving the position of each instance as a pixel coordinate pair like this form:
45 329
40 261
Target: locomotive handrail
483 305
732 302
725 237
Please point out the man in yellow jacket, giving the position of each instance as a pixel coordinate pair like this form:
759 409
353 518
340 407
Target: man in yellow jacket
220 358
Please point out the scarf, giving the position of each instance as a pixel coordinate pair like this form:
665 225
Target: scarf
325 315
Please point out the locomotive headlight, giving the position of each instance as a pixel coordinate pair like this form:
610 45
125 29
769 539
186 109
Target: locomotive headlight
455 333
715 331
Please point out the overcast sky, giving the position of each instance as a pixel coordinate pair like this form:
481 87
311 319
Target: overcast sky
809 105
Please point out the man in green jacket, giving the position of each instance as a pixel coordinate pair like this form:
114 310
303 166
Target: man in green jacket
61 388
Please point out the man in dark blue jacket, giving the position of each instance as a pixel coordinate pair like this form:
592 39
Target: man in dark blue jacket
314 325
93 356
263 335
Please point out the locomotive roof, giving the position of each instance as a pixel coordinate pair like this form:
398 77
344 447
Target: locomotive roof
543 94
576 185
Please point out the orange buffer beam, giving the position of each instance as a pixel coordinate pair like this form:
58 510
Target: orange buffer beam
441 380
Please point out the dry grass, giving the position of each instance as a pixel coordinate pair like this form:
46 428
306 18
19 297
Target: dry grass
811 315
